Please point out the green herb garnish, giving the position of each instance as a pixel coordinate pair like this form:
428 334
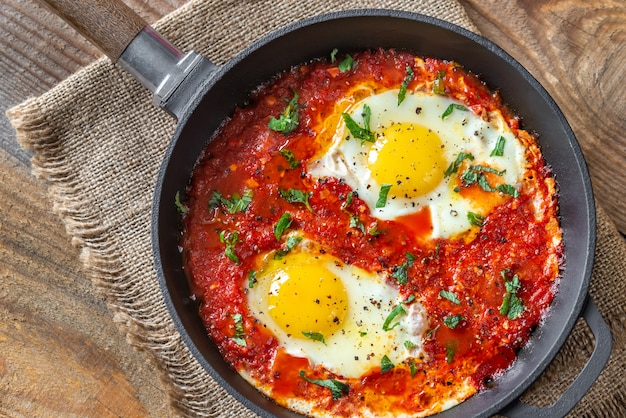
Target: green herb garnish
439 86
283 223
287 122
347 64
452 297
291 242
454 167
333 55
315 336
512 306
386 364
236 204
355 222
405 84
450 351
382 195
475 174
498 150
373 229
507 189
337 388
400 273
239 336
296 196
398 310
409 344
252 280
475 219
231 241
452 108
452 321
179 206
290 157
412 368
363 133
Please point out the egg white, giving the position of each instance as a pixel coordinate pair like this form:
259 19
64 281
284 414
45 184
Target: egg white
462 131
361 342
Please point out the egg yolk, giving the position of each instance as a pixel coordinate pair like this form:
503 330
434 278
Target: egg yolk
409 157
304 296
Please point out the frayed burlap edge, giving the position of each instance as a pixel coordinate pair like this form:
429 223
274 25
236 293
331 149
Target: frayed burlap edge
149 328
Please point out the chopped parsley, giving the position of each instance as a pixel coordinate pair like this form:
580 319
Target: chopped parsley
452 108
231 241
287 122
409 344
236 204
252 280
291 242
400 273
452 321
512 306
355 222
475 219
498 150
179 206
386 364
347 64
296 196
439 86
398 310
239 336
363 133
475 174
405 84
337 388
283 223
315 336
290 157
412 368
382 195
452 297
507 189
454 166
450 351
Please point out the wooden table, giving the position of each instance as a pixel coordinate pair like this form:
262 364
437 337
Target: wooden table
60 351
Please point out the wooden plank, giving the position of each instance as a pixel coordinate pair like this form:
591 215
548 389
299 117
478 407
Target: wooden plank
60 351
577 51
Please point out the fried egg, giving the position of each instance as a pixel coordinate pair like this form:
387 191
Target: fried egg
415 143
338 316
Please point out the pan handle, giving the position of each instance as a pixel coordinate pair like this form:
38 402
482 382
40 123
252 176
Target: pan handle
129 41
583 382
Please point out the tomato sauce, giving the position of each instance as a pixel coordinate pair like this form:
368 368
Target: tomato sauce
514 243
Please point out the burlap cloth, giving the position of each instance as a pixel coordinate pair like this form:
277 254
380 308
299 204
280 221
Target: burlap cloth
98 143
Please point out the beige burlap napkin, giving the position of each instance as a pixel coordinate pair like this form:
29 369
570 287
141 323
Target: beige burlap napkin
98 143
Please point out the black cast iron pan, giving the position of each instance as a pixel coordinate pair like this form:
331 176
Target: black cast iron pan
201 95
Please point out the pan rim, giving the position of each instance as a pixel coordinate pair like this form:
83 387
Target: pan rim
483 42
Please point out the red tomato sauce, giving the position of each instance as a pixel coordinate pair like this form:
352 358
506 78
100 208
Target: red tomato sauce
513 241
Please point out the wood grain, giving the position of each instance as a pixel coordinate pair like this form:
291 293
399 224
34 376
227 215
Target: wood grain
577 51
109 24
60 352
38 50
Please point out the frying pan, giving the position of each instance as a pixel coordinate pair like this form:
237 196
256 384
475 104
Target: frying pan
201 95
